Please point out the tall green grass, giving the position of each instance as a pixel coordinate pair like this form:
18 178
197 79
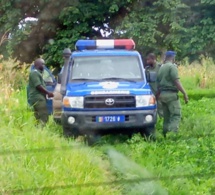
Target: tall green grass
65 162
198 75
140 179
59 162
190 156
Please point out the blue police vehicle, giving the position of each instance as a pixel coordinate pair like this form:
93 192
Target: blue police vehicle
105 89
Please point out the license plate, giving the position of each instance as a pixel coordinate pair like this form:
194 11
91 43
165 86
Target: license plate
110 119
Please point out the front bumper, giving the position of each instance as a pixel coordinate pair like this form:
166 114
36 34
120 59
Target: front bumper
85 121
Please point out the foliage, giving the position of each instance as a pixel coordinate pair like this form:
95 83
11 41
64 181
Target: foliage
127 169
184 26
50 160
198 76
10 78
60 23
189 156
86 20
199 94
27 43
198 79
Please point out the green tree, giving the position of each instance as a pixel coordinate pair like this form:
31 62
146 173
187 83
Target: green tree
27 43
85 20
60 24
183 25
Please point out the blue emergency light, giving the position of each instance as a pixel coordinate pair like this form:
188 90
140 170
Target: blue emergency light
127 44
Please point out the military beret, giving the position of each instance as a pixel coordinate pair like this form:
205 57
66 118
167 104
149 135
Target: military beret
170 53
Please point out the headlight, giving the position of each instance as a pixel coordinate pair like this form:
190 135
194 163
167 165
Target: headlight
145 100
73 102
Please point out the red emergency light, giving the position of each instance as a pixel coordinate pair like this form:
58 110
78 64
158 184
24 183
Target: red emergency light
127 44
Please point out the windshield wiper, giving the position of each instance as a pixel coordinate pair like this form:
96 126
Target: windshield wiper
84 79
118 78
105 79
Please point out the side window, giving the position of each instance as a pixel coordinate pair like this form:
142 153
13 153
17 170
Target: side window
47 77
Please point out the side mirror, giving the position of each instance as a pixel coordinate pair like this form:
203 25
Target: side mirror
59 78
151 76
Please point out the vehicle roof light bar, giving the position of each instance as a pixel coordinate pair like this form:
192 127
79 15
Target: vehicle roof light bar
127 44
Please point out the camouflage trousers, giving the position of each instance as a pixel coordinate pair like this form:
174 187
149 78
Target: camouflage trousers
171 111
41 111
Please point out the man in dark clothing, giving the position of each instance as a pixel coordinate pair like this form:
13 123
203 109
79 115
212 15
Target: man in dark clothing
153 66
168 87
38 92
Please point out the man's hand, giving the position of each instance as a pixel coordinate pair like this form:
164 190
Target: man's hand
186 98
44 91
181 89
157 95
50 95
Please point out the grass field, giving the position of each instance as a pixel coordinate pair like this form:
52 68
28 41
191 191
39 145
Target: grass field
189 157
38 161
57 162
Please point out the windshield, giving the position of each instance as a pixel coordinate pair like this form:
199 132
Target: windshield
106 67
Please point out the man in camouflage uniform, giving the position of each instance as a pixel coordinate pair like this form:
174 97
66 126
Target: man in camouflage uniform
168 87
153 66
37 92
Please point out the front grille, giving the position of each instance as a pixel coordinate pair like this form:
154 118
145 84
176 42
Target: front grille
125 101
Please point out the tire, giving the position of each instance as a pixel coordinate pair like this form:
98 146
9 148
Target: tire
92 139
57 121
69 132
130 135
148 133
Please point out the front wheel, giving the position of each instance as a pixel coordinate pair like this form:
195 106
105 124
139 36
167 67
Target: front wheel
92 139
148 133
69 132
57 121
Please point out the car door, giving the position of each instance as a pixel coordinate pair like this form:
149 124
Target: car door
50 82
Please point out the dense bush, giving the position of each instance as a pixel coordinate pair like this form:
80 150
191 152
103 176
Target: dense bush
183 25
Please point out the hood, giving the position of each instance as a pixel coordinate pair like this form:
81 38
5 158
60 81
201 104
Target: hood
107 87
